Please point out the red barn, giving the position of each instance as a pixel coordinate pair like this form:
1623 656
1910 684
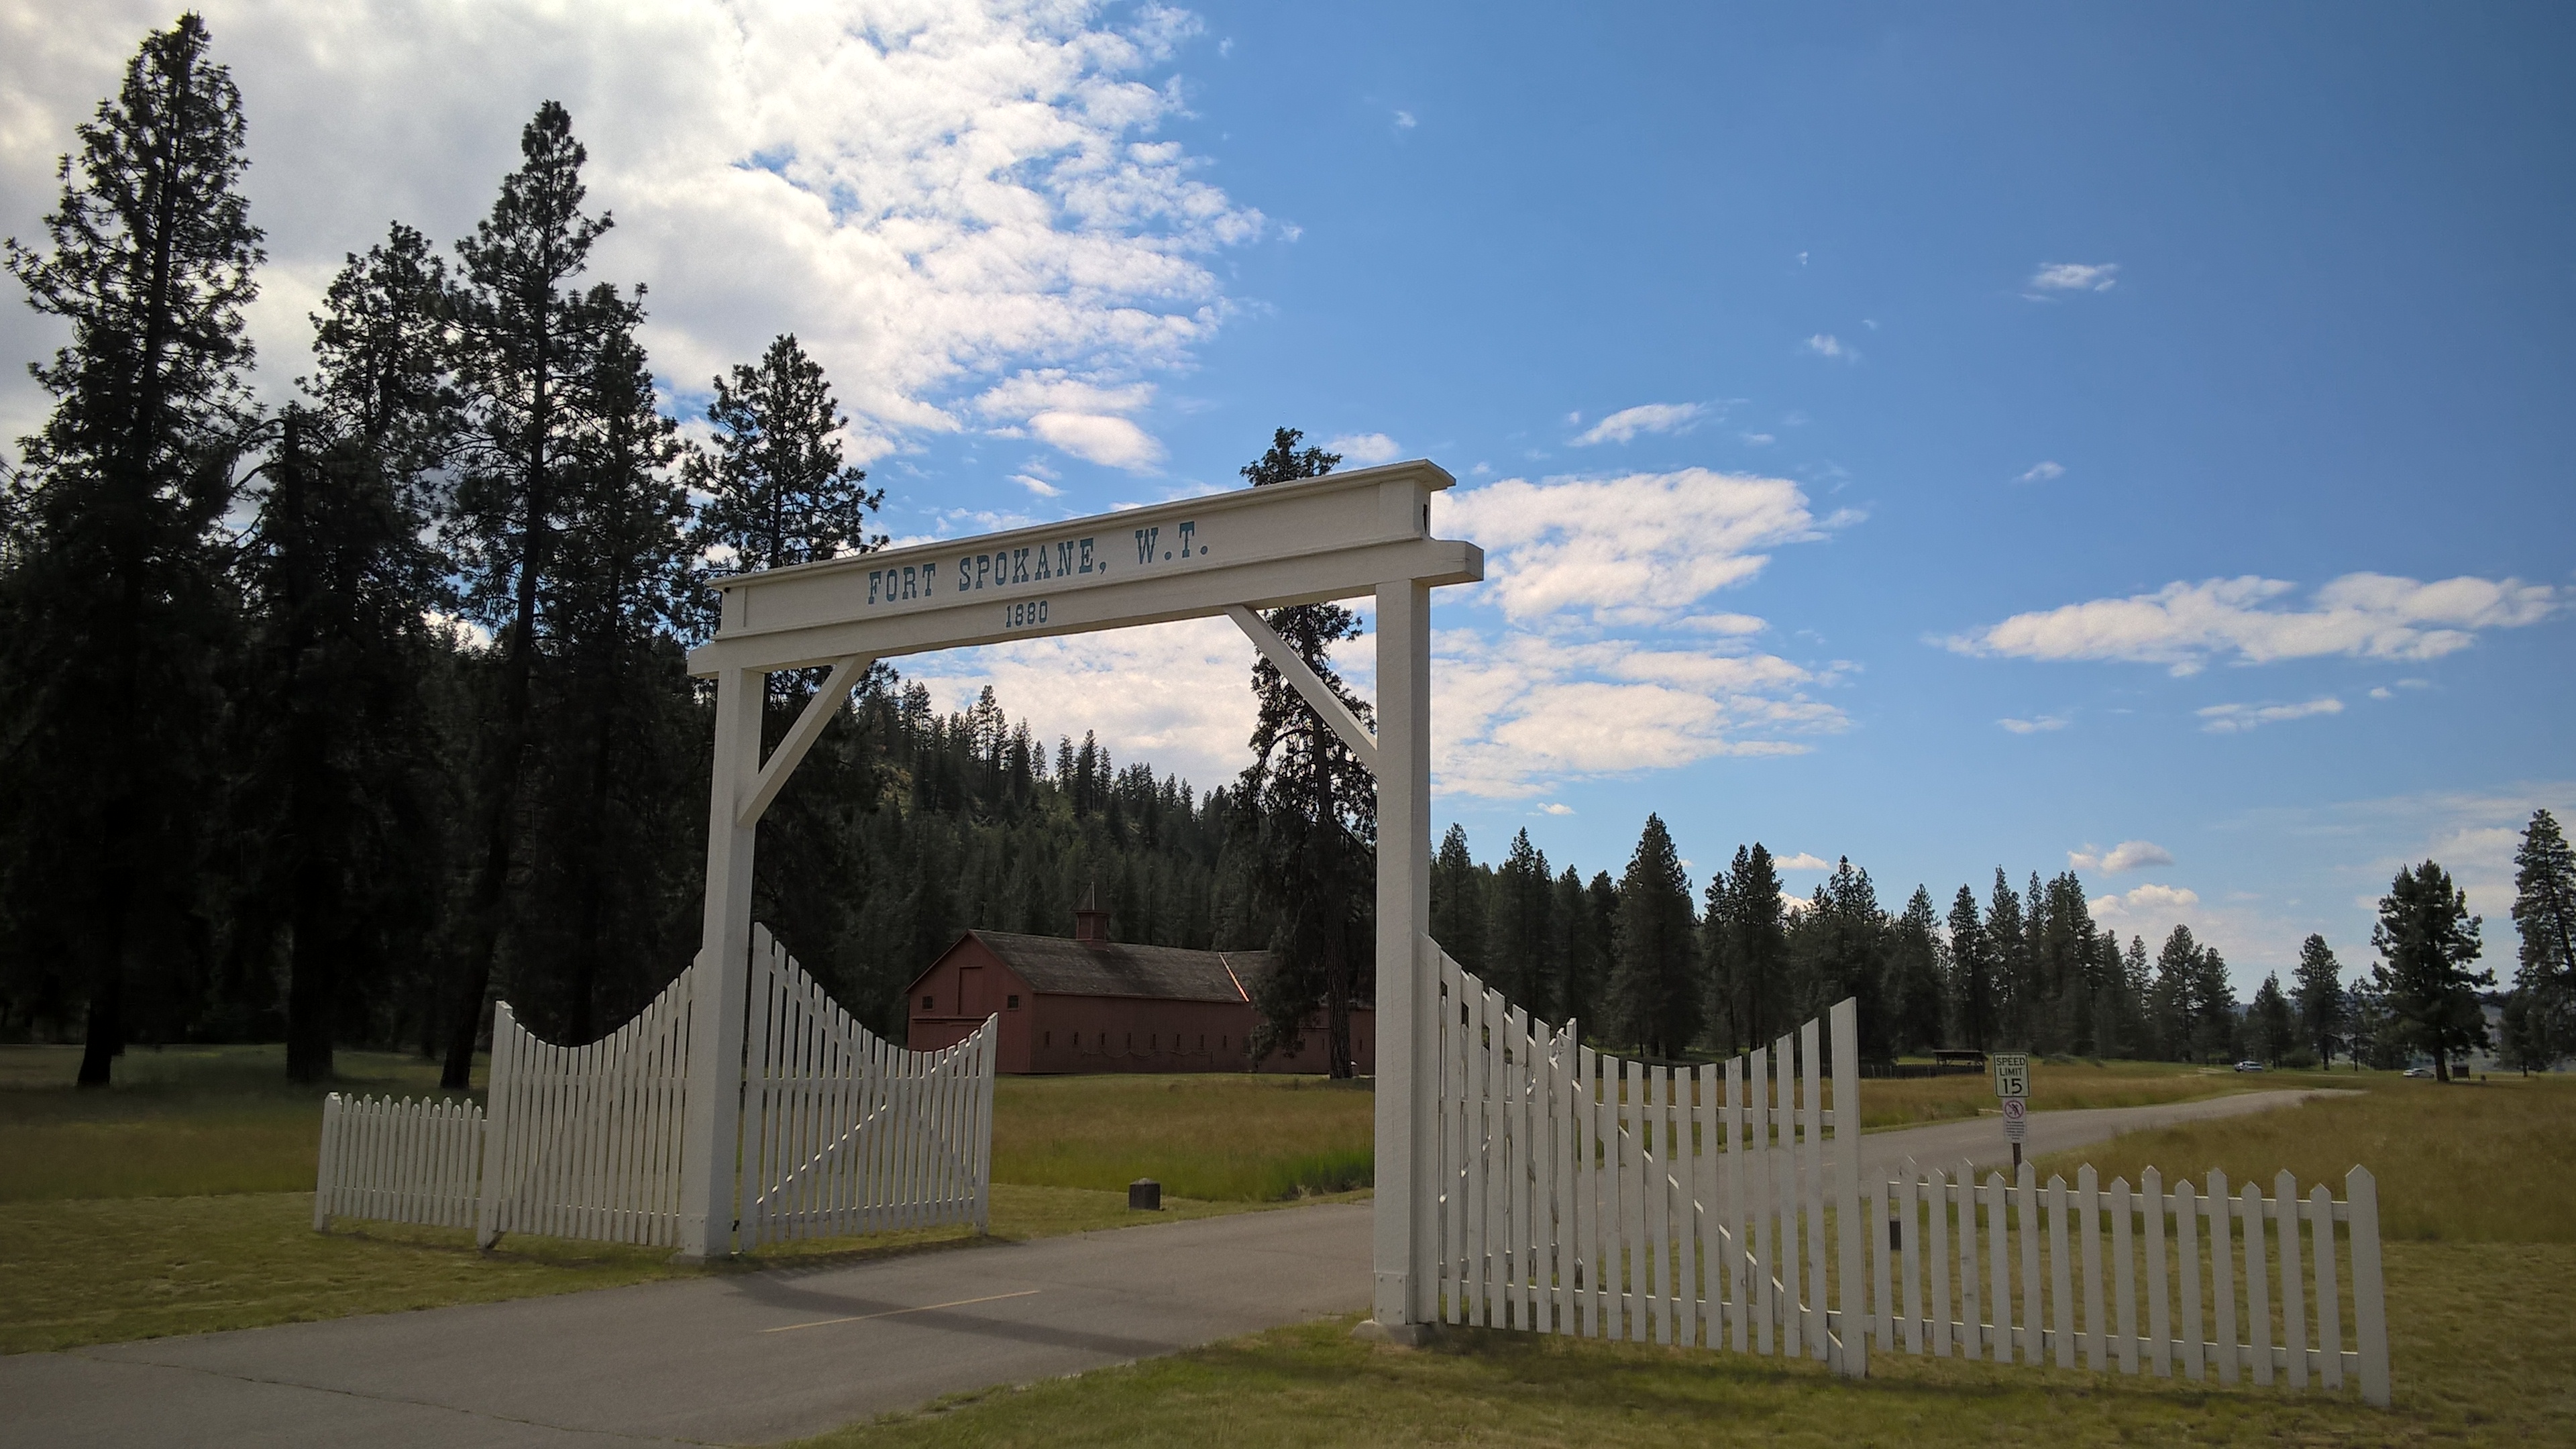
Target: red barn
1091 1004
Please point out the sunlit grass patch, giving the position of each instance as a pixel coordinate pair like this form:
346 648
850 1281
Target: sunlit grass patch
1234 1136
2489 1162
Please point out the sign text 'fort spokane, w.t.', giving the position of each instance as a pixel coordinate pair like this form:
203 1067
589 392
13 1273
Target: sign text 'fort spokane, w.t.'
1319 538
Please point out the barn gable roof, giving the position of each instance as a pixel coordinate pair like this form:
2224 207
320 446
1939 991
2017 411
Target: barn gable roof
1059 967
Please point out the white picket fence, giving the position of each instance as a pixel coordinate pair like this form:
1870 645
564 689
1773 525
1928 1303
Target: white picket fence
399 1161
1722 1205
844 1132
2052 1251
841 1132
1587 1194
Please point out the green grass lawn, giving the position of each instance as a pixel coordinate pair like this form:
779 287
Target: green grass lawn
180 1199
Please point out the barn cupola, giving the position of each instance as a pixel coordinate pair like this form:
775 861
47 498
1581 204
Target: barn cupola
1090 922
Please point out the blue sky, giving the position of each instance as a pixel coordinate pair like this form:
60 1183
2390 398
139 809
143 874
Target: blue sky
2135 440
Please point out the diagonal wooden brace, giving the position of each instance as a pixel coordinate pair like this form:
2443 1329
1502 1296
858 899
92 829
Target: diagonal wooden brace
1327 706
808 728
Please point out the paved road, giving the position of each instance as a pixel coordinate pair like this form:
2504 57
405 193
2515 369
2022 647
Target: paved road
748 1358
760 1357
1981 1141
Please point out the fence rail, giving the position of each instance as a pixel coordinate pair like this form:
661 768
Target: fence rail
2200 1263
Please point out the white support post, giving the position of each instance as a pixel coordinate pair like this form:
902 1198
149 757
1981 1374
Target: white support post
1355 737
722 978
1408 1052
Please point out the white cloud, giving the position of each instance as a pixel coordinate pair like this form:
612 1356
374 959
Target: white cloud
1112 441
1802 861
1625 424
1365 448
1607 663
1758 440
931 197
2075 277
1404 121
1038 486
2127 855
2183 625
1638 548
2232 719
1556 807
2034 726
2043 471
1826 344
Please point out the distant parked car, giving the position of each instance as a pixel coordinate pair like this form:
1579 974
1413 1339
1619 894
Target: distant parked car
2249 1066
2419 1071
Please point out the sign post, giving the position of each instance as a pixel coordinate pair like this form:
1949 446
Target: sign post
2012 1084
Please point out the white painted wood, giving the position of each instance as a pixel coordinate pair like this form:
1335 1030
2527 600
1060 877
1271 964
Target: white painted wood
2061 1284
1327 706
2123 1270
1854 1221
1999 1263
2088 1228
2188 1246
2155 1210
2222 1276
2369 1307
2321 1221
2294 1308
2258 1299
2025 1195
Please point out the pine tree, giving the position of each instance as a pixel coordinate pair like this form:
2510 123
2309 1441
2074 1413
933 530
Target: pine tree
2270 1027
777 488
2213 1007
2318 991
2009 943
1841 945
1518 925
1310 810
2544 916
1654 995
1583 957
1757 941
2426 939
111 605
2172 1000
1913 993
1972 975
526 337
1458 902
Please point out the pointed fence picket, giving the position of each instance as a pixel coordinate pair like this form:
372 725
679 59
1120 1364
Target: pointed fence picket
844 1132
2236 1285
1587 1194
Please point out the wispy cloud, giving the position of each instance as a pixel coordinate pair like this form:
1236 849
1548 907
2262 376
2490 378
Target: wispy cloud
2075 277
1038 486
1802 861
2236 719
2127 855
1556 807
1365 448
1826 344
1404 121
2034 725
2184 625
2044 471
1627 423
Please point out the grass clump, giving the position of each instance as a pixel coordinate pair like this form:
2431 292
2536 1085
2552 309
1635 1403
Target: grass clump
1232 1137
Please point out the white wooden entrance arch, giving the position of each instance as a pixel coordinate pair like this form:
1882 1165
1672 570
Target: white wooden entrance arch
1366 532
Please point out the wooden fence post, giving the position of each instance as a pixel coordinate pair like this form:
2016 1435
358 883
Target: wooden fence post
2369 1308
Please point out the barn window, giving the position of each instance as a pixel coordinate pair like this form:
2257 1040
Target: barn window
925 1001
1014 1002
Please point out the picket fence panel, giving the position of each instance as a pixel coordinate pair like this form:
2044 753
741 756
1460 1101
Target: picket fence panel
399 1161
1587 1194
584 1142
2240 1285
844 1132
